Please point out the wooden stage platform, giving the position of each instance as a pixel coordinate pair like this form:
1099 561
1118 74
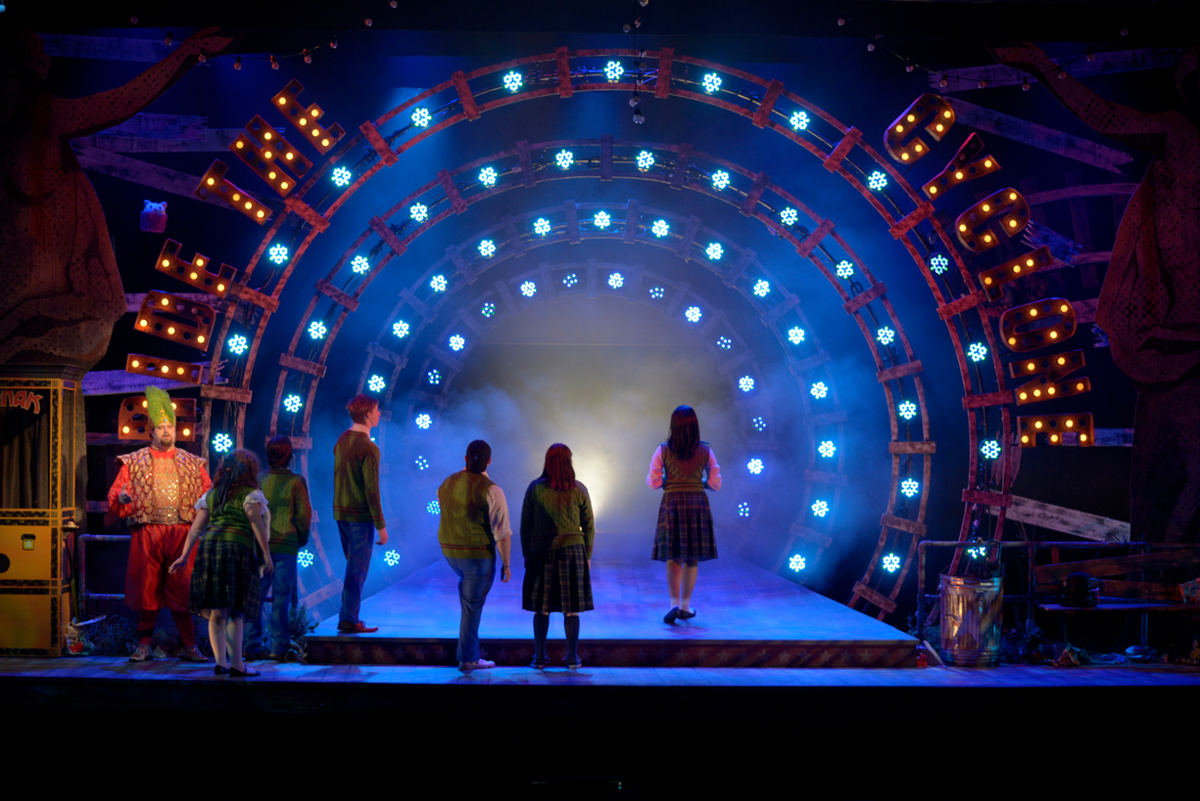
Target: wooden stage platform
746 617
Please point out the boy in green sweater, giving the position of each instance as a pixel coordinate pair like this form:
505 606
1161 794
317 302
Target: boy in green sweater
356 506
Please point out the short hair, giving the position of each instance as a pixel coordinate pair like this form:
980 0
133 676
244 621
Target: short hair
558 471
479 454
360 406
279 452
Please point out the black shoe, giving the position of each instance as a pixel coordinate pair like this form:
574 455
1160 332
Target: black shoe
669 617
248 674
687 615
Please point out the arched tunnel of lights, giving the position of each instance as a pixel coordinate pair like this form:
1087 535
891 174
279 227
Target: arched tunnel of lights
840 149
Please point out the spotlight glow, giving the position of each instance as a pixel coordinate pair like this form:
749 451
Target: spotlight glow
891 563
570 280
434 508
376 383
909 487
714 251
645 160
759 424
789 216
423 421
305 558
222 443
613 71
513 81
602 220
616 280
439 283
977 351
820 508
400 329
391 558
528 289
421 462
340 176
564 159
845 269
278 254
724 343
819 390
827 449
293 403
799 121
743 509
541 226
487 176
885 335
796 562
939 264
720 180
907 409
660 228
421 117
712 82
657 292
693 314
457 343
755 466
990 449
487 248
317 329
762 288
360 265
745 383
419 212
434 377
796 335
238 344
488 309
877 180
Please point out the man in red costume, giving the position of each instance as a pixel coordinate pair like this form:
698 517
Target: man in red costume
156 491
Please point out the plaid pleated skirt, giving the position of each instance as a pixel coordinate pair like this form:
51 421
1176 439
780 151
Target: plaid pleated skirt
685 528
226 577
558 581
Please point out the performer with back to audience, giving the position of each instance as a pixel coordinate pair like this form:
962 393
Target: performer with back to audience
356 506
684 537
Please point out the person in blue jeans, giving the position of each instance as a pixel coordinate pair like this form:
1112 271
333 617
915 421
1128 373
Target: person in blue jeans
473 529
356 507
291 517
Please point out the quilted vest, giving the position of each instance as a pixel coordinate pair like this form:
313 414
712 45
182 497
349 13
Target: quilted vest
464 527
684 475
189 468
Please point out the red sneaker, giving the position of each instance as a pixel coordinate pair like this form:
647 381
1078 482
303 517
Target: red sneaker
356 628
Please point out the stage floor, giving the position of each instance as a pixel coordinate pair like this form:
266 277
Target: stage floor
746 617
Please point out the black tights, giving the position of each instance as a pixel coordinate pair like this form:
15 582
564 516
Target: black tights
541 626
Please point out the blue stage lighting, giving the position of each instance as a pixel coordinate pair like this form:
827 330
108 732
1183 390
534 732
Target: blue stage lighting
602 220
844 269
419 212
796 562
457 343
317 329
820 508
909 487
564 159
885 335
528 289
400 329
434 508
616 280
293 403
570 280
391 558
720 180
799 121
789 216
939 264
487 176
693 314
762 288
724 343
755 466
513 81
877 180
360 265
977 553
819 390
487 248
712 82
222 443
340 176
421 462
613 71
421 117
376 383
488 309
660 228
305 558
541 226
645 160
439 283
434 377
743 509
891 563
796 335
238 344
759 424
745 383
827 449
977 351
423 421
714 251
907 409
278 254
990 449
657 292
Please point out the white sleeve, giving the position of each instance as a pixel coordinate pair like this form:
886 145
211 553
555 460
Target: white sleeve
498 513
202 503
654 477
256 498
714 471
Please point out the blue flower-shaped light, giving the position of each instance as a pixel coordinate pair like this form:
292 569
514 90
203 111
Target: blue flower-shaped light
222 443
745 383
885 335
720 180
762 288
434 377
400 329
693 314
820 508
645 160
909 487
360 265
712 82
977 553
755 466
278 254
714 251
317 329
419 212
907 409
939 264
789 216
977 351
564 159
421 462
376 383
439 283
799 121
569 280
340 176
613 71
528 289
602 220
487 176
877 180
541 226
434 508
487 248
616 280
488 309
391 558
796 335
421 117
305 558
238 344
513 81
457 343
293 403
891 563
827 449
796 562
844 269
724 343
657 292
990 449
743 509
759 424
660 228
819 390
423 421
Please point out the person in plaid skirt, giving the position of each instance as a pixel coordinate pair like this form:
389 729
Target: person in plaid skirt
557 530
683 466
233 517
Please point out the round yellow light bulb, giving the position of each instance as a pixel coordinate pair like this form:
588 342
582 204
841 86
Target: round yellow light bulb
1038 424
124 429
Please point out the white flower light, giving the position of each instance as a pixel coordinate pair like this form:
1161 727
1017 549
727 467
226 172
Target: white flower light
238 344
712 82
222 443
487 248
457 343
487 176
939 264
761 288
845 269
820 508
293 403
438 283
645 160
724 343
400 329
434 377
885 335
305 558
745 383
891 563
907 409
488 309
759 424
977 351
796 563
278 254
423 421
693 314
714 251
616 280
434 508
990 448
513 81
564 159
528 289
421 117
569 280
657 292
743 509
660 228
317 329
421 462
796 335
789 216
819 390
720 179
360 265
755 466
341 176
391 558
602 220
877 180
376 383
909 487
613 71
827 449
799 121
418 211
541 226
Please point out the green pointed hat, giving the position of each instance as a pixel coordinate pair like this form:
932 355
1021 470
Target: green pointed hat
158 407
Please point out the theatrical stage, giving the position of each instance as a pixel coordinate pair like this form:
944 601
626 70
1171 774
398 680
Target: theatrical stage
747 617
